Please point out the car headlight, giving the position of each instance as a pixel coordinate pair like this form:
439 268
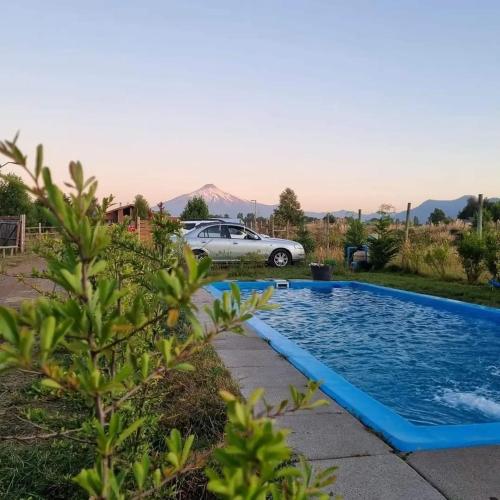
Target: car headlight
298 247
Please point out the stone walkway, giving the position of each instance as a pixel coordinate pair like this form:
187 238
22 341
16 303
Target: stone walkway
369 469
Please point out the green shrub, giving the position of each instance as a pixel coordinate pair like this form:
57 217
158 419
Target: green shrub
110 334
437 257
492 253
411 257
471 249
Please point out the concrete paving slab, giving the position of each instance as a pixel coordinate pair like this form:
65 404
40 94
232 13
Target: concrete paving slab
239 342
461 474
249 357
320 436
274 396
282 374
381 477
249 333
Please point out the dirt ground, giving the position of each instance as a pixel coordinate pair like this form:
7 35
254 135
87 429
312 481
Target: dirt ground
12 290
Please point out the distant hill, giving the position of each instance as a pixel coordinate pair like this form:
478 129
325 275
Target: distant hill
221 202
450 207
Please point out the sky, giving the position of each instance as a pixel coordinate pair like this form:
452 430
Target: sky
350 103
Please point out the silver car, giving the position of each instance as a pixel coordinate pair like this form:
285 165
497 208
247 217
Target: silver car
231 242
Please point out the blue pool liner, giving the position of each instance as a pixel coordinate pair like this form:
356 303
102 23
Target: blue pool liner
396 430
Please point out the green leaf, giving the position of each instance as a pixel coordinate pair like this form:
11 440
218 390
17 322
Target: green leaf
235 289
8 326
52 384
185 367
47 333
76 172
39 160
129 430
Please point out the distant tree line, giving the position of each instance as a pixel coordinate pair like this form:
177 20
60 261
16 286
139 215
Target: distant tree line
14 200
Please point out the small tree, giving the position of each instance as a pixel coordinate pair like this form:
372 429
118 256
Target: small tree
249 219
330 218
495 212
385 244
289 210
471 249
196 208
471 209
437 216
492 253
356 233
304 237
14 200
141 207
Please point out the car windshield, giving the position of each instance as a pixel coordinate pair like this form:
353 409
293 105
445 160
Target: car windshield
250 235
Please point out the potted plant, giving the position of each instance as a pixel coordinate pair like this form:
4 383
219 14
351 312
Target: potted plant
322 269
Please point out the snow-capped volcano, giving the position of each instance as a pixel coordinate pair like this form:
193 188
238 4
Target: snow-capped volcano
210 192
219 203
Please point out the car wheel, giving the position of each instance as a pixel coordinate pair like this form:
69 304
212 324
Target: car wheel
280 258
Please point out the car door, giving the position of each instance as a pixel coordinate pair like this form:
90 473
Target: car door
238 244
245 242
216 242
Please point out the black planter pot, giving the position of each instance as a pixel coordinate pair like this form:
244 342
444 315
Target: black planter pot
321 273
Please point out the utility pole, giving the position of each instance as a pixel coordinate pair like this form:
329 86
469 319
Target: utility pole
359 214
480 216
254 214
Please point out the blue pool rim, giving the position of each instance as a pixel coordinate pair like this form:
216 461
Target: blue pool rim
395 429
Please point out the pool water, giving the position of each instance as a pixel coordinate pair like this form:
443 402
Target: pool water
430 365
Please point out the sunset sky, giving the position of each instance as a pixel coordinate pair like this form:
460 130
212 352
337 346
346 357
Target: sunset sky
352 104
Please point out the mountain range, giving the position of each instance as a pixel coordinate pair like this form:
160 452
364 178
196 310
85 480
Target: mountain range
221 203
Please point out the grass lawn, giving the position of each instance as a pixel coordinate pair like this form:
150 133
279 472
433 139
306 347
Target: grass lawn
453 289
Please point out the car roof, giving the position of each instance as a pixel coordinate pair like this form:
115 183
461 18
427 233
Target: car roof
222 223
216 223
212 219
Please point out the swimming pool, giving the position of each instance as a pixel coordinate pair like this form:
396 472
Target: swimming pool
422 371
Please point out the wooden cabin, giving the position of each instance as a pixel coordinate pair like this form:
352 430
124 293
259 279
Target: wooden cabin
117 215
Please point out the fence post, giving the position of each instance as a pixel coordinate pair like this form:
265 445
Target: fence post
138 223
272 225
359 214
287 229
23 233
407 221
327 233
480 216
39 230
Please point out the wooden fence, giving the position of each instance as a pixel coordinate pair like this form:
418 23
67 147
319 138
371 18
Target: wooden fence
12 234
